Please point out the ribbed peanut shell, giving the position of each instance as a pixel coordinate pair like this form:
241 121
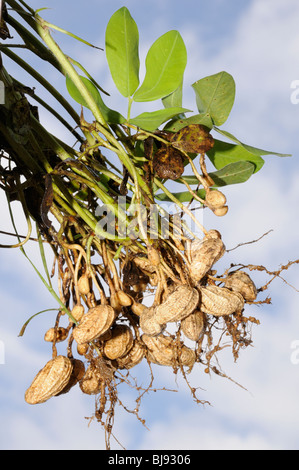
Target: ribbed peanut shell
220 301
132 358
91 381
193 326
59 335
241 282
76 375
94 323
203 255
120 343
50 380
178 305
162 350
148 322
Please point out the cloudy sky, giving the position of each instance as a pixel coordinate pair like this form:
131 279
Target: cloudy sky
257 41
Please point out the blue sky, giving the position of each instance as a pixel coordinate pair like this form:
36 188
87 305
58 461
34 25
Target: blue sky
257 41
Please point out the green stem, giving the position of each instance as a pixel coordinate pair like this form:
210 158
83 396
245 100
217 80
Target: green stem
92 105
181 206
68 68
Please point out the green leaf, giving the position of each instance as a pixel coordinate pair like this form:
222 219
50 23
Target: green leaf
122 42
233 173
203 119
152 120
249 148
224 153
174 99
53 26
73 61
165 65
215 95
109 115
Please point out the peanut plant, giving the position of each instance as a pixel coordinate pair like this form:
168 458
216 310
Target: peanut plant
136 286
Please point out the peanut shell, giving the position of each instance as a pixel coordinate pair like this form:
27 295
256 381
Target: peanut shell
94 323
148 322
60 333
215 199
76 375
163 350
193 326
132 358
90 384
84 284
203 255
78 312
120 343
178 305
239 281
144 264
220 211
124 299
220 301
50 380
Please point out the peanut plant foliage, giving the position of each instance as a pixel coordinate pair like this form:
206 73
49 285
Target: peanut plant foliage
137 287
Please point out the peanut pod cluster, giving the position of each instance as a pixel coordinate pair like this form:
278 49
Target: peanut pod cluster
115 329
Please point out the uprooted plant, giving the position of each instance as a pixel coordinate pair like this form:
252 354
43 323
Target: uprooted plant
135 283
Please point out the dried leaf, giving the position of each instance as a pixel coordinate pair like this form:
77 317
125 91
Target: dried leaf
194 138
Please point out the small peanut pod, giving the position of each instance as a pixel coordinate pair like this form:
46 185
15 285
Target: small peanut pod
58 334
50 380
78 312
94 323
90 383
120 343
84 284
220 301
193 326
220 211
239 281
178 305
215 199
124 299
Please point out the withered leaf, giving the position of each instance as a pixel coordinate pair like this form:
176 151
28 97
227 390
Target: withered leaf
194 138
168 163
